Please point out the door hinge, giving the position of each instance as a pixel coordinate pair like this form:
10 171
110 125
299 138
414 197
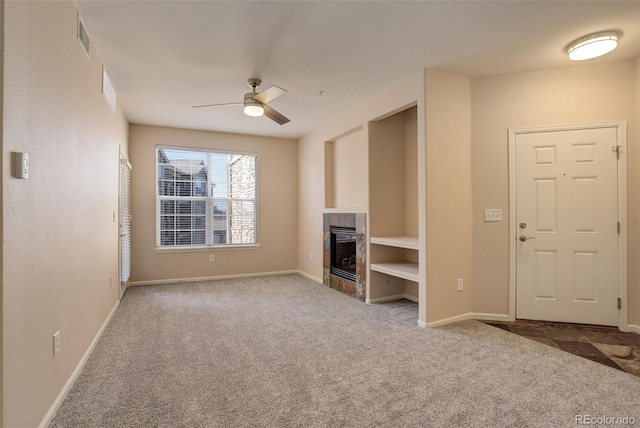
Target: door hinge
617 150
619 303
618 228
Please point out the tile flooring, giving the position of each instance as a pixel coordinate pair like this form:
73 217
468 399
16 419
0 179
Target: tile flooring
605 345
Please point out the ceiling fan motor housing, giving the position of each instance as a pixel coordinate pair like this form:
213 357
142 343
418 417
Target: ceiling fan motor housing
254 83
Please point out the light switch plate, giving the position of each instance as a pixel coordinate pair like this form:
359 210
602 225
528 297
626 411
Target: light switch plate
494 214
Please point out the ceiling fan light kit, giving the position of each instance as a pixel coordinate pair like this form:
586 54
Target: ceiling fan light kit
252 107
593 45
255 104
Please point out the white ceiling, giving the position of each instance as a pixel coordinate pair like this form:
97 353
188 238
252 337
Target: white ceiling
165 56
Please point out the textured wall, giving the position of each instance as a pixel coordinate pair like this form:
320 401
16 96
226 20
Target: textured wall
60 237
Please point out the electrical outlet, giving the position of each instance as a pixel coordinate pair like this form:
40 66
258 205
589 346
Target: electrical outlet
493 214
460 284
110 282
310 256
56 343
212 257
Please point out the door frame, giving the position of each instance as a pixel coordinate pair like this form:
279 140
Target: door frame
621 135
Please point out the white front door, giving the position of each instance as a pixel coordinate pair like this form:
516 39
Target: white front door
567 226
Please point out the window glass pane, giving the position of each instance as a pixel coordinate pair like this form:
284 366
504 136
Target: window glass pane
242 176
183 238
167 237
168 222
219 236
182 173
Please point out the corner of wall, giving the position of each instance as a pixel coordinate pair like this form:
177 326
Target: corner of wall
449 195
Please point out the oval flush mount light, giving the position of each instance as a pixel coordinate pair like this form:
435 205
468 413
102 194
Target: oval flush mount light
593 45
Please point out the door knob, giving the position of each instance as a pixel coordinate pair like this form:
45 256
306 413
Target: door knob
525 238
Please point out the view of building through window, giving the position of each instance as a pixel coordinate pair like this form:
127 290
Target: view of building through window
205 198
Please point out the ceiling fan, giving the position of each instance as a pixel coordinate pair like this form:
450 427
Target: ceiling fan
255 104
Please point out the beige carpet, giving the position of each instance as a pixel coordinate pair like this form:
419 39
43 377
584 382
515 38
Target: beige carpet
284 351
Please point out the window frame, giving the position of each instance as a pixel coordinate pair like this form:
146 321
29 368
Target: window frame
209 201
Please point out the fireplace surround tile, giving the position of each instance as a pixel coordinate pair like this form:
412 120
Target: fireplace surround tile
358 288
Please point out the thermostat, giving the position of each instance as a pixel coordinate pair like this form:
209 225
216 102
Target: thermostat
22 165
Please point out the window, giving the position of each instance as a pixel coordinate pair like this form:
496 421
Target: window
205 198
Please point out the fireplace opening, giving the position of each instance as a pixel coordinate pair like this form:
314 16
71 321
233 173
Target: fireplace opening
343 252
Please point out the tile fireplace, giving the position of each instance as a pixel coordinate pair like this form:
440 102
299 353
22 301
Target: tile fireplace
344 253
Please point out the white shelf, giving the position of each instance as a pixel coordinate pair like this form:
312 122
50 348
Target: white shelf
404 270
408 242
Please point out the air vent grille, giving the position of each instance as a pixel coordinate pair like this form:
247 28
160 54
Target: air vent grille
83 37
108 91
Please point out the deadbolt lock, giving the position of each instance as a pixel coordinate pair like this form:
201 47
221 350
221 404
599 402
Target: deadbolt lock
523 225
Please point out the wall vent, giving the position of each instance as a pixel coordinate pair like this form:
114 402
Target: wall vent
83 37
108 91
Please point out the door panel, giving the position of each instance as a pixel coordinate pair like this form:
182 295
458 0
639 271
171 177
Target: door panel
125 224
566 203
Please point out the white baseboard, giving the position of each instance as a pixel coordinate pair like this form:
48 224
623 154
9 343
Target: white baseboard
210 278
634 328
311 277
469 316
394 297
491 317
76 372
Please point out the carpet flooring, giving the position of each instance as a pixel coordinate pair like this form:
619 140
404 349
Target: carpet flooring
284 351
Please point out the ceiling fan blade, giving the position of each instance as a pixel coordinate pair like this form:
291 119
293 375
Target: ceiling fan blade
269 94
274 115
214 105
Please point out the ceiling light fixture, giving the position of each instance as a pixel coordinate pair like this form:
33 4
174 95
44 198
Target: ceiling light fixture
593 45
252 107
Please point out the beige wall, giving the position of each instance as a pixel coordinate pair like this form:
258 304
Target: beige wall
346 152
60 241
582 94
277 207
448 190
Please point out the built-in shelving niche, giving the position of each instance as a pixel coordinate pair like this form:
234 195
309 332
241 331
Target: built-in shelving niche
393 207
345 174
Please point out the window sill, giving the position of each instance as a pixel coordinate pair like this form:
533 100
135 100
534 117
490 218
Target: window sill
160 250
